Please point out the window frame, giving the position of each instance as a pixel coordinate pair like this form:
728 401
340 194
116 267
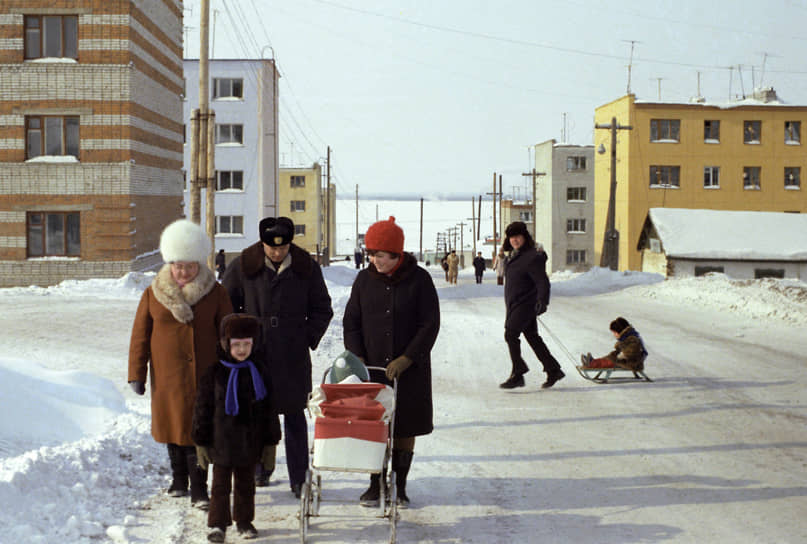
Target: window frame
41 36
299 229
297 205
576 225
65 135
711 177
709 131
793 132
578 163
581 191
796 182
662 168
220 128
232 221
752 126
67 243
231 174
576 256
748 177
670 127
297 181
217 86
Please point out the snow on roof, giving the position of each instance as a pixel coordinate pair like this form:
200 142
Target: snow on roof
738 235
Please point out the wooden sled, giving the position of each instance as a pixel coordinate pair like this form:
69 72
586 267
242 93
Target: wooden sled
603 375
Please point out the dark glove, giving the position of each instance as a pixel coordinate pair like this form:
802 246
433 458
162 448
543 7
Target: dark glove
203 457
397 366
539 308
138 387
268 458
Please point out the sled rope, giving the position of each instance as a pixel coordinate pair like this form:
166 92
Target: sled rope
558 342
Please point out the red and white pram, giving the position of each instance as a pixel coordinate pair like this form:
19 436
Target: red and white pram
353 429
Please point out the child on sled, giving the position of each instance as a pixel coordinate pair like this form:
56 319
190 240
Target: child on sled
629 351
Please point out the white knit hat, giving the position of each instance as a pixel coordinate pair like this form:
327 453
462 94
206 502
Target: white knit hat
184 240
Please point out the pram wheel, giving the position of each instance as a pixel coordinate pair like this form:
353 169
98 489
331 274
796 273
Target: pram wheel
305 506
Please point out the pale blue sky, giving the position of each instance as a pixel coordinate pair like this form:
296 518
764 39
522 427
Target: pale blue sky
433 96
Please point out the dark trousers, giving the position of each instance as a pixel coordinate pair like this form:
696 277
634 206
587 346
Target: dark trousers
241 482
478 277
295 429
535 341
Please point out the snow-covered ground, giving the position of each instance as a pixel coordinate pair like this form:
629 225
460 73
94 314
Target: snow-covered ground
715 450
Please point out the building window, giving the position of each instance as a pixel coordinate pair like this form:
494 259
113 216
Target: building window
665 176
711 132
793 132
576 226
576 194
53 234
760 273
703 270
751 177
230 134
711 176
575 163
752 132
299 230
225 87
51 36
575 256
665 130
298 181
525 216
229 224
229 180
51 136
298 205
792 177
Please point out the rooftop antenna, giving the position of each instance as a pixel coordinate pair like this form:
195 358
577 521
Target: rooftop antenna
740 73
658 79
731 76
630 62
563 133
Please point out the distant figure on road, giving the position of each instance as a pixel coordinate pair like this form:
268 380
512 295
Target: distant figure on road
453 266
498 266
358 257
479 266
221 263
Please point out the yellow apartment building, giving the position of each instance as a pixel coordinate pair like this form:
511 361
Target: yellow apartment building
745 155
302 197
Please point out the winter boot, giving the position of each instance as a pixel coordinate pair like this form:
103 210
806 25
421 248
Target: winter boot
401 461
179 471
198 479
552 378
217 534
515 380
262 476
372 496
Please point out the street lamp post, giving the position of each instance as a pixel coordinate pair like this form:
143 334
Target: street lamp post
610 244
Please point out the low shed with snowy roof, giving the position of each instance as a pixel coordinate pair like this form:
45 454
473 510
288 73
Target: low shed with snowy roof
741 244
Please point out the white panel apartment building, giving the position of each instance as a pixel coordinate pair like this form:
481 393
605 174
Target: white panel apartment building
564 204
242 95
90 136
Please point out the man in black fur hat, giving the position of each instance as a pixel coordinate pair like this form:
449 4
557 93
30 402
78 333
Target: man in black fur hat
281 284
526 295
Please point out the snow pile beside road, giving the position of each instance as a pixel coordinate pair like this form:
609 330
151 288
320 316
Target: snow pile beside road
784 300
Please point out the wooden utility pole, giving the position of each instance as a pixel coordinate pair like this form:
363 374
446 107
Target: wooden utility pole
472 219
610 243
420 250
534 176
462 244
501 219
327 256
495 225
358 245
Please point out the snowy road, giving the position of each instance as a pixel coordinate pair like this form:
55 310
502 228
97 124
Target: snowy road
715 450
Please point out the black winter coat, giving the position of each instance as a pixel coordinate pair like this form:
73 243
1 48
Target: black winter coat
479 264
294 309
386 317
234 441
525 283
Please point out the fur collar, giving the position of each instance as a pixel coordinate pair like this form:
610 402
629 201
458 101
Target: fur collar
252 261
178 301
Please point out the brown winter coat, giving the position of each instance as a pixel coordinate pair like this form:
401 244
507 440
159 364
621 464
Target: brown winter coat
629 351
174 337
387 317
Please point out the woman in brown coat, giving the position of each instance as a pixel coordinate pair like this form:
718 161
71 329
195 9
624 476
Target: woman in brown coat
174 336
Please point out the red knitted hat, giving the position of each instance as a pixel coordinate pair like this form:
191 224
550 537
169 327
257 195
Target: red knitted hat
385 236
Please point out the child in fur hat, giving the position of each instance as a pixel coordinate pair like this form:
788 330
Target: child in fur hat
235 425
629 351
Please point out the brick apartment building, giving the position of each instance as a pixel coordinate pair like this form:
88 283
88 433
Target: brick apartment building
90 136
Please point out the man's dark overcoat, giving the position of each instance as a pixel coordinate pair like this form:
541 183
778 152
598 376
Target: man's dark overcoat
294 309
390 316
525 283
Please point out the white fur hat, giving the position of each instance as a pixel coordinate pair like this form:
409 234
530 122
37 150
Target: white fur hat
184 240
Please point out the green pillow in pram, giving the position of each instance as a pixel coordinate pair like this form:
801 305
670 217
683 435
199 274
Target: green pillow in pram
346 365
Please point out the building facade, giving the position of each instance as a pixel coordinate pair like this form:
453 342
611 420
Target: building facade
303 198
564 204
91 144
745 155
243 97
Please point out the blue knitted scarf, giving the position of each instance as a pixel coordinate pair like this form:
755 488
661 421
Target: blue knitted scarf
231 400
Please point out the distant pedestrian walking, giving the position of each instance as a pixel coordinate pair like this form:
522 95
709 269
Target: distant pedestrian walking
221 263
498 266
479 266
453 266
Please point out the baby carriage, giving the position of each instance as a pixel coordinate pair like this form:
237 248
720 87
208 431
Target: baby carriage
353 430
